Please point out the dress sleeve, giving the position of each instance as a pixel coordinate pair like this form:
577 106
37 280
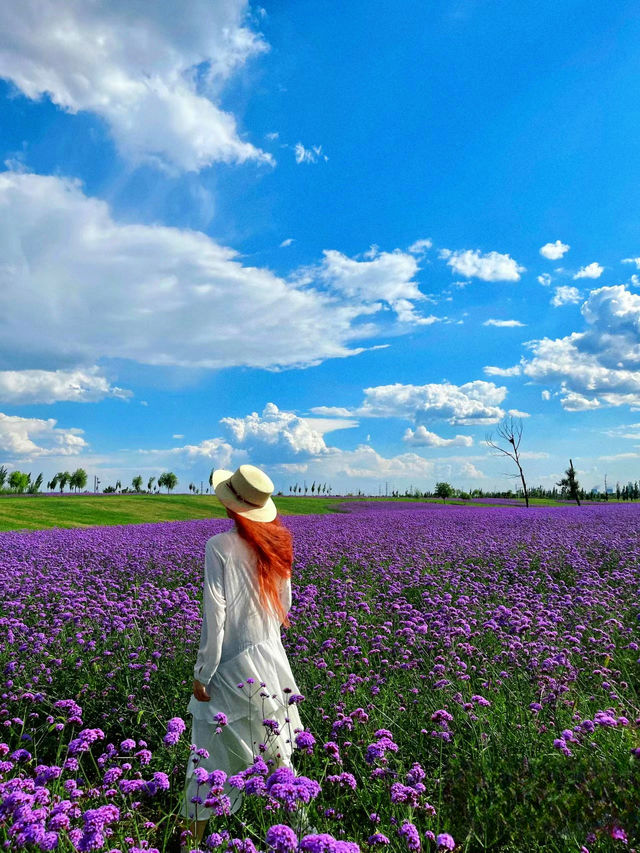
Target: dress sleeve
285 595
213 617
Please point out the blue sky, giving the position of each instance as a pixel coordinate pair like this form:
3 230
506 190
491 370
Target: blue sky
341 243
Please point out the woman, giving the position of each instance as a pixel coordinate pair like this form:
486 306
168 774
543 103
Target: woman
247 595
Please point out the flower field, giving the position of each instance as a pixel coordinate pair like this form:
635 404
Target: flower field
470 679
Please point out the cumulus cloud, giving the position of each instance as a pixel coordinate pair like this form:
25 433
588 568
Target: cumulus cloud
32 438
421 437
475 402
593 270
635 261
286 430
503 324
491 266
544 279
597 367
155 83
170 296
52 386
502 371
554 251
565 295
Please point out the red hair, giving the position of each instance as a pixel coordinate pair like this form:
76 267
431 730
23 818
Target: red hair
273 545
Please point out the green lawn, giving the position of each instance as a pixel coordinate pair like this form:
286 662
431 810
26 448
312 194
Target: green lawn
36 513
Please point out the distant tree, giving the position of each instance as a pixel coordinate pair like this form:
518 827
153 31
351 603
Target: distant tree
443 490
118 485
34 486
137 483
211 477
169 480
78 480
150 483
569 483
313 487
62 478
3 475
19 481
510 432
109 490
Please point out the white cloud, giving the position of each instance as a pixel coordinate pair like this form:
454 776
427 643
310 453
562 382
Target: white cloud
51 386
503 371
378 277
177 435
491 266
475 402
89 288
599 366
553 251
420 247
216 451
331 411
546 395
325 425
544 279
593 270
308 155
503 324
635 261
155 81
421 437
274 427
516 413
565 295
285 243
32 438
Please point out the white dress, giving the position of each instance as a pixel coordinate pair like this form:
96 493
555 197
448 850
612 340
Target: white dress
240 640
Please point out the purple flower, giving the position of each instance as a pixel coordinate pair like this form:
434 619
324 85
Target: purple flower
305 741
175 727
319 843
410 834
377 838
344 780
281 838
445 840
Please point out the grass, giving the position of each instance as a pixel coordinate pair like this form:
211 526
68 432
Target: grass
37 513
22 512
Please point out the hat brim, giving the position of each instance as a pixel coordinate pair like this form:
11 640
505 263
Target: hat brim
220 481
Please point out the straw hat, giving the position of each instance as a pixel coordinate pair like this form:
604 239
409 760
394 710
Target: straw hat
247 491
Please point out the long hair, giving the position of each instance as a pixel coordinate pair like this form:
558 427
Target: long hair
273 546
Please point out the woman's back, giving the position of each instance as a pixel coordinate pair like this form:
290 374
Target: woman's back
247 620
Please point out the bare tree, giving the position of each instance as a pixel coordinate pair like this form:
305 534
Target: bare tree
510 433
